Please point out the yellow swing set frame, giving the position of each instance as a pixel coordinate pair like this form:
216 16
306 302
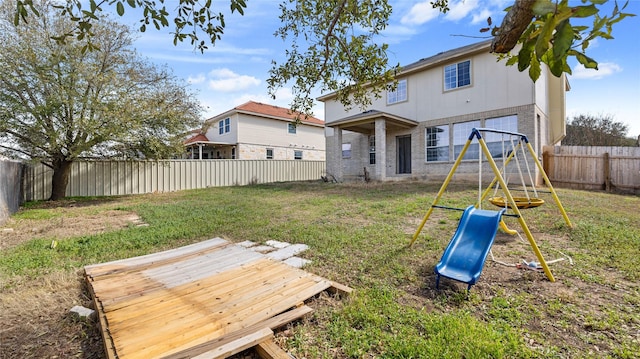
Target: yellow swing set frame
515 203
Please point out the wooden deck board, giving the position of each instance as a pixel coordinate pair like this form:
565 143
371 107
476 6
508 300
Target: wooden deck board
200 324
211 298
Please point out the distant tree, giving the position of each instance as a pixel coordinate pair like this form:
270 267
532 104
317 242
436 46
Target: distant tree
59 103
334 44
602 130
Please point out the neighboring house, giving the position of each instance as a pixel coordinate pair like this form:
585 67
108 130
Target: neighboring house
418 130
258 131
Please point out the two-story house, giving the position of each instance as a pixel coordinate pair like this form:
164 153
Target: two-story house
255 130
417 130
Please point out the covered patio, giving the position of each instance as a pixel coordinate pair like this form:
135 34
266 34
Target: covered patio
379 125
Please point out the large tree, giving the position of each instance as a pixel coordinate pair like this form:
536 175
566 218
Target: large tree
334 43
59 102
601 130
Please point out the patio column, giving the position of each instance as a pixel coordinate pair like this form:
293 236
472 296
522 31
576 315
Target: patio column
200 150
338 171
381 149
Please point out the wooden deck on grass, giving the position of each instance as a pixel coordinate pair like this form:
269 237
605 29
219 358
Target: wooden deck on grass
211 299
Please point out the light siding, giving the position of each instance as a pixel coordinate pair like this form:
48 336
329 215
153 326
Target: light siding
494 86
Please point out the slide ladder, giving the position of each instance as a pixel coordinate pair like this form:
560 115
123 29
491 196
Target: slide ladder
464 257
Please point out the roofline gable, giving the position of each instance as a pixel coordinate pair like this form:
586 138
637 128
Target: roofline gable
265 111
433 61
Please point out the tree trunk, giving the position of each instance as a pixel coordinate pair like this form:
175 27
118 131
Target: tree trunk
61 171
513 25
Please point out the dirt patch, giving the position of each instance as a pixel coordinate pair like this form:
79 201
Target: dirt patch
71 223
36 322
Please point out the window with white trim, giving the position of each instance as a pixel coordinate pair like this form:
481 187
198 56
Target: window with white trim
291 128
269 153
372 150
500 144
461 132
457 75
400 93
297 155
224 126
437 143
346 150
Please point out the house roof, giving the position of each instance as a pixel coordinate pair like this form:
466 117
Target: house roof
445 56
435 60
197 138
365 122
271 111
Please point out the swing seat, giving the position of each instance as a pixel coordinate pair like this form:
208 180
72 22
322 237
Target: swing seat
521 202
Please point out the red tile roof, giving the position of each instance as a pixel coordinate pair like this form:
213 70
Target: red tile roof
197 138
275 111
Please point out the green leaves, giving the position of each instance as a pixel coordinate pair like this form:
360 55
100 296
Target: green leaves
333 46
194 20
120 8
87 98
552 39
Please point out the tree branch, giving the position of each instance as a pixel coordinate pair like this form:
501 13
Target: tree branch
513 25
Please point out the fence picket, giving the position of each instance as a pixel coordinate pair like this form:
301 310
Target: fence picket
594 167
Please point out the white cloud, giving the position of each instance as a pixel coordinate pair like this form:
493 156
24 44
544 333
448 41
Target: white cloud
284 94
460 9
420 13
604 69
227 80
197 79
481 17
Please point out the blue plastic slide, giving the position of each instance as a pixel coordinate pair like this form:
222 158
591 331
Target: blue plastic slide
464 257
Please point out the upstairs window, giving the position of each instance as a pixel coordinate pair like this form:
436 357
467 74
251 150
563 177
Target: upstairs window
457 75
399 95
224 126
292 128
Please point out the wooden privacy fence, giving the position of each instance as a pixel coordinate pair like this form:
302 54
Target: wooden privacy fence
111 178
593 167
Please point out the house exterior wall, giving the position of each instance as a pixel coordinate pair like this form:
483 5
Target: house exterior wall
494 85
496 90
257 134
213 133
259 152
250 136
272 132
353 167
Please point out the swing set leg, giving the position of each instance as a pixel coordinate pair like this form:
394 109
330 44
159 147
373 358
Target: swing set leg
507 230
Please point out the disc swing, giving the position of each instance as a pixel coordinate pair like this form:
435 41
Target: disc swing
520 202
464 257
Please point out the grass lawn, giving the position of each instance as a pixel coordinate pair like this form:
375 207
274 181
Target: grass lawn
358 236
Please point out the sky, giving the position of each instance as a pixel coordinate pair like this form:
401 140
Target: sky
235 70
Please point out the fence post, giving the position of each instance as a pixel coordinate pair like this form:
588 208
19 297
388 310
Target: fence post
546 164
607 172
